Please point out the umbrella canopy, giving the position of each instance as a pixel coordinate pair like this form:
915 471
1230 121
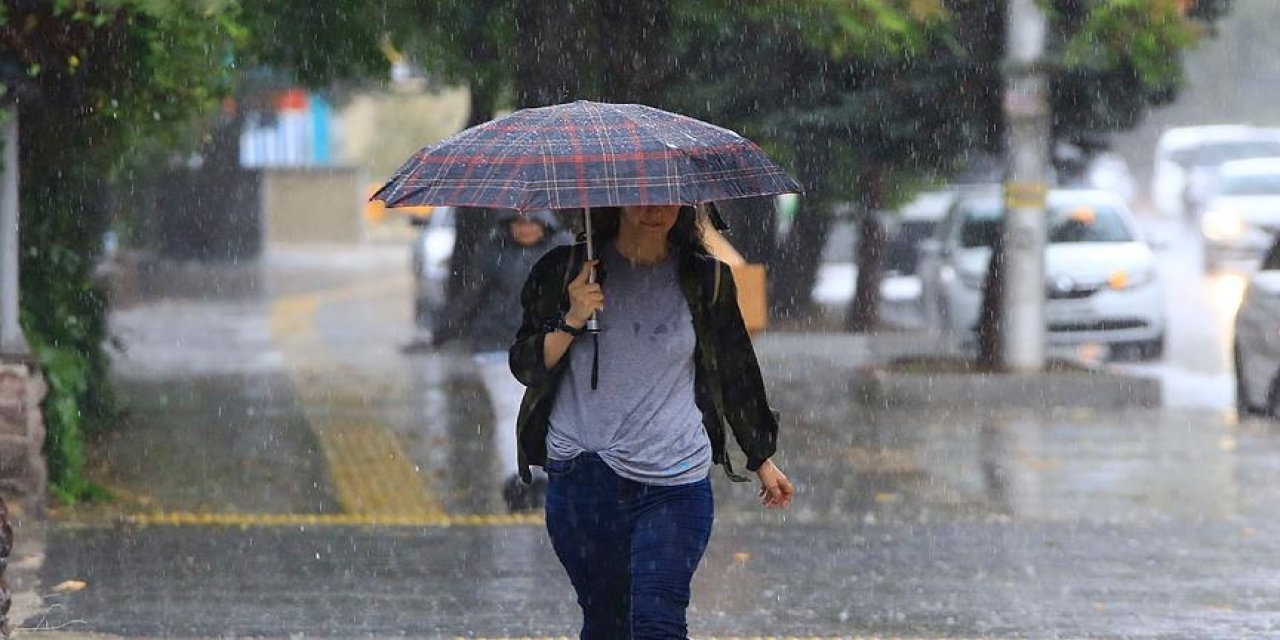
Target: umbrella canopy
583 155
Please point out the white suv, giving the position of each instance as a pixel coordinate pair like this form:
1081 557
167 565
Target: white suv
1187 161
1244 215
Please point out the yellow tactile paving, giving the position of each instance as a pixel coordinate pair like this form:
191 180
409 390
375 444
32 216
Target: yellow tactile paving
329 520
371 474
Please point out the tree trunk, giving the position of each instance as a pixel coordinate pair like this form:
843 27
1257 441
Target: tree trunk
990 340
864 311
551 45
472 225
796 268
632 45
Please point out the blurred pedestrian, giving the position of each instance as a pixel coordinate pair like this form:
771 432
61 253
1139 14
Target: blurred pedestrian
488 313
627 423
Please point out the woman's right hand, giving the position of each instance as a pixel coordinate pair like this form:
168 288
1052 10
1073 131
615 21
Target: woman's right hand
585 298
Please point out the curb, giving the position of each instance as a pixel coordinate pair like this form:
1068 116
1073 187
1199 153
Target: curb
875 386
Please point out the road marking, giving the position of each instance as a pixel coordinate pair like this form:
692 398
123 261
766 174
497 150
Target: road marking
178 518
371 474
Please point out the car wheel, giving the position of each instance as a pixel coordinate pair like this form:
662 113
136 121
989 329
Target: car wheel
1273 398
1243 408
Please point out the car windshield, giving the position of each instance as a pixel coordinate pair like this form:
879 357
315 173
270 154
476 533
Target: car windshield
1250 184
981 224
1068 222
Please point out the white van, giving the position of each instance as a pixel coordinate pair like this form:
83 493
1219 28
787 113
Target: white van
1187 160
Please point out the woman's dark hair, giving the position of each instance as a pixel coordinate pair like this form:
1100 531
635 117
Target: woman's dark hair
685 237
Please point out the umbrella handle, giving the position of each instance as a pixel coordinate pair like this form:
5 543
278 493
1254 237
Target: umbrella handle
593 323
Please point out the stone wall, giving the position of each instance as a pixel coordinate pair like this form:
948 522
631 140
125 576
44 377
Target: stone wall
23 481
23 476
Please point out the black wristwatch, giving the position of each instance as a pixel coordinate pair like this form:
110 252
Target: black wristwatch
569 329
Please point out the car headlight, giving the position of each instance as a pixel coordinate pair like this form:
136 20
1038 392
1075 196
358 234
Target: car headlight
1221 225
1128 279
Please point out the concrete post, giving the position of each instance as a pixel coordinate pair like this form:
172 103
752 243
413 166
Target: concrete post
12 343
1026 108
19 454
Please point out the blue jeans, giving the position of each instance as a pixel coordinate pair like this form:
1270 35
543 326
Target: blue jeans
630 549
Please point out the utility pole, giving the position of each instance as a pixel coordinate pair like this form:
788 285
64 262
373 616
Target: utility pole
12 343
1026 109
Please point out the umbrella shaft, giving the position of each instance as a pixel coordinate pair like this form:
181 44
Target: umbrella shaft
593 324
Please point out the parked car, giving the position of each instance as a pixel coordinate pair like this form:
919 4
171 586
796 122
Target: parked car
1257 341
1244 215
432 251
1101 284
911 225
1187 160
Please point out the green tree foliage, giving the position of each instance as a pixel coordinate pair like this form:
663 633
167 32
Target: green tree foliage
1115 60
466 42
314 41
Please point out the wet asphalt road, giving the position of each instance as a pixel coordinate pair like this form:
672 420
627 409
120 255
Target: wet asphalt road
276 398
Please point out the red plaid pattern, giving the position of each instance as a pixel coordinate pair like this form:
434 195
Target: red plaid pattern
586 154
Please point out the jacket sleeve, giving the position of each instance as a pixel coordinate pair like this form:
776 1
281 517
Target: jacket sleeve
540 302
754 424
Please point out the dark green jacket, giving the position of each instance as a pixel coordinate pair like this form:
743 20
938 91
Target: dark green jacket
729 388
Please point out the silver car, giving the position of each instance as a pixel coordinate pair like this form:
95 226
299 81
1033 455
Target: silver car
432 252
1241 219
1257 343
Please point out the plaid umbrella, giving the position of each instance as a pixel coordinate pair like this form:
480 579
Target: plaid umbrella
586 154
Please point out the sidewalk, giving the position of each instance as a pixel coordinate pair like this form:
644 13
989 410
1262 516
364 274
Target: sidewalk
264 415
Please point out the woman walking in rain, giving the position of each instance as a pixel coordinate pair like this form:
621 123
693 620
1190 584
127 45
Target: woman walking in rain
628 422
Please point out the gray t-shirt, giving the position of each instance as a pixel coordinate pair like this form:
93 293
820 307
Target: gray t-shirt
642 419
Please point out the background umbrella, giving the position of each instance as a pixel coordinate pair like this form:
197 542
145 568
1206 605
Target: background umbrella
586 154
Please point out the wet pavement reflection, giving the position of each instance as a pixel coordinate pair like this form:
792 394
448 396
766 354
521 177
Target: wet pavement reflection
289 395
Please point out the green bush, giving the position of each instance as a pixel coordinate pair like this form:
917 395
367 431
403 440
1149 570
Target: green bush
64 319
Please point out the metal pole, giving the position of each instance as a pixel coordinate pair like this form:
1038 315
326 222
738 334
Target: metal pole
12 341
1026 109
593 324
